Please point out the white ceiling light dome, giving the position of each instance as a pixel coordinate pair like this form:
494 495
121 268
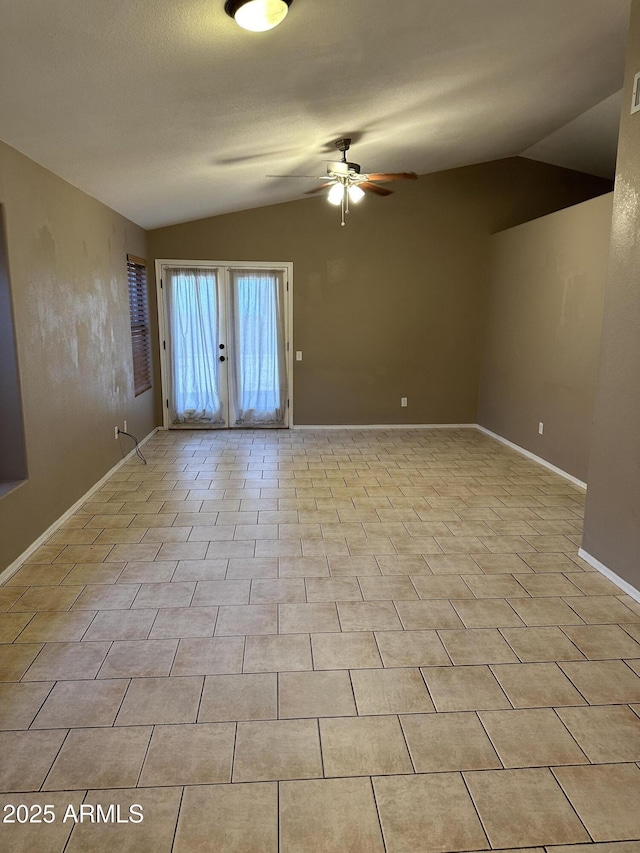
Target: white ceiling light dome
257 16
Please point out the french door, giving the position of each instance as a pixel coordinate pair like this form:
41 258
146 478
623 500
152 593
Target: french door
224 344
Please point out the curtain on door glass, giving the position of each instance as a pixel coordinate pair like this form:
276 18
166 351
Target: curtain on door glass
193 334
258 367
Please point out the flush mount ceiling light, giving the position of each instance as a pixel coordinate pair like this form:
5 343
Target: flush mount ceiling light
257 15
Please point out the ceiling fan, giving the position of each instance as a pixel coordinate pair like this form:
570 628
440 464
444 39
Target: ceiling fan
347 183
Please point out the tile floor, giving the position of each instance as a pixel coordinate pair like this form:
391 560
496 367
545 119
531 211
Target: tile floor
322 642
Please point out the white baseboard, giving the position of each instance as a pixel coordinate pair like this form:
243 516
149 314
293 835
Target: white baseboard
533 456
624 585
381 426
17 563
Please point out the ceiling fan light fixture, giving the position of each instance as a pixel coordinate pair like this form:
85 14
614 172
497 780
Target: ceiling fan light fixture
355 194
257 16
336 194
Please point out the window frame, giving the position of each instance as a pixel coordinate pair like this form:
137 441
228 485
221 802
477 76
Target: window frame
139 322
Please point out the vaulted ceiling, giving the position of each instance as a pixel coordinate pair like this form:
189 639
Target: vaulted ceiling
167 111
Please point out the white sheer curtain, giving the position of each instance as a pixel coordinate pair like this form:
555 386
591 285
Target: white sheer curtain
258 367
192 296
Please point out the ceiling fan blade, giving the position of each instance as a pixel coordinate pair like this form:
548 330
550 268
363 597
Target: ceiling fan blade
374 188
391 176
320 188
317 177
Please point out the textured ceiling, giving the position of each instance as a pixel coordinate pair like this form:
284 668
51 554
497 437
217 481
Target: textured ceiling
167 111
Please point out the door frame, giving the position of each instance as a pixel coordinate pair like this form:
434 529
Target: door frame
286 266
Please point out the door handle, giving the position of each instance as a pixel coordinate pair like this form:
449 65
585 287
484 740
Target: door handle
222 358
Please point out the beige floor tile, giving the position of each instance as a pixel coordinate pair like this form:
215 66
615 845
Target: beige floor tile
55 627
368 616
415 814
531 738
540 612
606 799
154 834
94 573
19 704
593 583
441 586
211 593
601 609
433 614
251 696
229 818
15 659
280 749
387 588
44 598
179 622
464 688
541 644
486 613
523 808
252 567
215 656
241 619
493 586
333 589
148 572
303 567
87 554
154 701
315 694
351 566
200 570
106 597
121 625
405 564
67 661
39 575
602 642
477 645
411 648
345 651
549 585
502 563
606 734
363 746
440 742
12 625
138 658
329 816
199 754
604 682
390 691
27 758
551 563
99 758
164 595
633 629
79 704
9 595
283 652
407 545
41 837
453 564
299 618
281 589
536 685
606 847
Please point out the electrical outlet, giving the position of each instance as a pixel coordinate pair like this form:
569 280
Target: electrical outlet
403 401
540 428
298 355
125 427
116 433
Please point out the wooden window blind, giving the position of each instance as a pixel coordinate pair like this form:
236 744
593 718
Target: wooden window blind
139 311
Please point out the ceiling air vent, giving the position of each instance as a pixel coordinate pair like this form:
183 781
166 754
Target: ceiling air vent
635 98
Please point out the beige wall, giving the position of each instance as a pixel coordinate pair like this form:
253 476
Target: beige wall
67 259
392 304
542 343
612 520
